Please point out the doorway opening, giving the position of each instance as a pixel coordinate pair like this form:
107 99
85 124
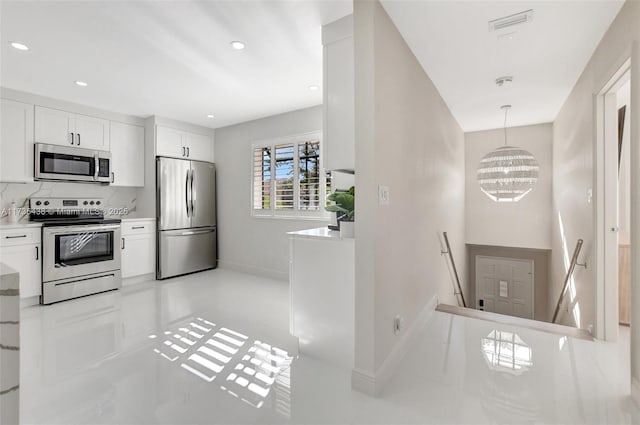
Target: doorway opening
613 215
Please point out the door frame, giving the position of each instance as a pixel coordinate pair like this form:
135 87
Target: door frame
533 280
606 205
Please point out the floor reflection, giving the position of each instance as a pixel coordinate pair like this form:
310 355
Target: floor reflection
507 396
507 352
254 371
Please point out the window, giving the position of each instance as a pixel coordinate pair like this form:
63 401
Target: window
288 179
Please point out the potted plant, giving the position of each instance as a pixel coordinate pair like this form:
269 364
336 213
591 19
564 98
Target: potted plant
344 203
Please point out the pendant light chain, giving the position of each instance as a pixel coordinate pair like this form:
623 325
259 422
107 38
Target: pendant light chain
506 111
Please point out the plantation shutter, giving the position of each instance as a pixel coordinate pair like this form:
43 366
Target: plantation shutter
309 175
262 178
284 174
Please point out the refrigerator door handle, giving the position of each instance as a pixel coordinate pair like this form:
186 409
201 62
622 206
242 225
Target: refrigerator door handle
187 195
191 232
193 193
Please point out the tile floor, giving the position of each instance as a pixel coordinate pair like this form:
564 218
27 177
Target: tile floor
214 348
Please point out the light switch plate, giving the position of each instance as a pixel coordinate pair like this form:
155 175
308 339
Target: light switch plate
383 195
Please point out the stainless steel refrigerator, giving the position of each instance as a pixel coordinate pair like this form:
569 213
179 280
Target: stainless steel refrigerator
186 206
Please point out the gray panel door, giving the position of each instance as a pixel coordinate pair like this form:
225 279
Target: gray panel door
174 193
203 175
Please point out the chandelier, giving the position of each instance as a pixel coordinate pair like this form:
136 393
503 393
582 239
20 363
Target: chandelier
507 173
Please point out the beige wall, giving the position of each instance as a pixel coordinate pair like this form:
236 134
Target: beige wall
573 143
525 224
406 139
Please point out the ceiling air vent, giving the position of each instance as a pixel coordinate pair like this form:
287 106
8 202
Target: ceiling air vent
511 20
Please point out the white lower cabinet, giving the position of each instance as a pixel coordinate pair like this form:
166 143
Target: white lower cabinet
138 247
20 249
322 297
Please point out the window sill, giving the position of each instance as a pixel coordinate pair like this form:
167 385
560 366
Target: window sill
292 217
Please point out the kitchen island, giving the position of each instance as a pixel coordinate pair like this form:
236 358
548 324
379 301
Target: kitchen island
9 345
322 294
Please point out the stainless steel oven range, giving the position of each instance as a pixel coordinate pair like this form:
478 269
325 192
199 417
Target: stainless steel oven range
80 248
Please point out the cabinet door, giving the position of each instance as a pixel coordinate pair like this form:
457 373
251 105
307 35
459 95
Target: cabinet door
138 255
25 259
127 154
53 126
199 147
16 141
169 142
339 129
92 133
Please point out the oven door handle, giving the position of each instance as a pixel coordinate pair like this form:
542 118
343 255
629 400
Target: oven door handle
81 228
97 167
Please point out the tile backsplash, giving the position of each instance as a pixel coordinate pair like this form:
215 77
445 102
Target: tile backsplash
119 198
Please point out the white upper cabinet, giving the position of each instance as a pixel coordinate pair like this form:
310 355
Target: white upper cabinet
338 95
68 129
16 141
182 144
127 154
92 133
199 147
169 142
54 126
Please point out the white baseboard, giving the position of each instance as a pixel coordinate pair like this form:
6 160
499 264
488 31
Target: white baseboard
635 391
255 270
373 383
29 301
138 279
363 381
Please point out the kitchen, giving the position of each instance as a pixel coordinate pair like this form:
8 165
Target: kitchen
102 192
278 97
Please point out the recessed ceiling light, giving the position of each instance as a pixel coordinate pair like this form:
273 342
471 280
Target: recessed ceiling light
82 83
210 116
314 88
19 46
238 45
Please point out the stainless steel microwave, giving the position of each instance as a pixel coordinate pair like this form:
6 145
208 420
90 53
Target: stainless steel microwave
63 163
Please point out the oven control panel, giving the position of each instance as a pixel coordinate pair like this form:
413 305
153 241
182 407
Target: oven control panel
66 203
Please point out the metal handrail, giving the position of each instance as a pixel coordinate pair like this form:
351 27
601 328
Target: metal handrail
572 266
455 271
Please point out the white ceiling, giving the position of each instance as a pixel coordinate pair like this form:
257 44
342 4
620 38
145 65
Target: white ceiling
173 59
452 41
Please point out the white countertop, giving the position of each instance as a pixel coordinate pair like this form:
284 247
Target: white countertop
319 233
138 219
19 225
22 224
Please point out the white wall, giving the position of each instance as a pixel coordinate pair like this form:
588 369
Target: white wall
406 139
573 176
523 224
256 245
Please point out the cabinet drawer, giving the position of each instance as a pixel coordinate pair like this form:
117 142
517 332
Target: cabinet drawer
138 227
20 236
